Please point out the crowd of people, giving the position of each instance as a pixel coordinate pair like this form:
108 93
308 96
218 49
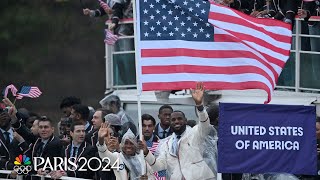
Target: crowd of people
174 148
170 149
109 134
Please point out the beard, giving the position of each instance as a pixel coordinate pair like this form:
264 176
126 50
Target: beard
180 130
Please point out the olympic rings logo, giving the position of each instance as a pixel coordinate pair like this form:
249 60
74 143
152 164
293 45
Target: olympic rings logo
22 169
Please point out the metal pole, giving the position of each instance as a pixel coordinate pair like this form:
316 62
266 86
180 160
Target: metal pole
109 70
297 55
139 89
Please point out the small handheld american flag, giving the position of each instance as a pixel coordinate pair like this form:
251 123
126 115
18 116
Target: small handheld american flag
104 5
110 38
29 91
11 87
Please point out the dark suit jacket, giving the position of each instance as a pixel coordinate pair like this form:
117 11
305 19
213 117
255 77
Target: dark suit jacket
92 138
25 132
89 129
51 149
8 153
156 131
87 151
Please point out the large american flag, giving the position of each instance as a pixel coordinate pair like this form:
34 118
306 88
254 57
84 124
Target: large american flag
29 91
184 41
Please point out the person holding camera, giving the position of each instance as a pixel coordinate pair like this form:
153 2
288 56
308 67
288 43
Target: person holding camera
128 164
11 143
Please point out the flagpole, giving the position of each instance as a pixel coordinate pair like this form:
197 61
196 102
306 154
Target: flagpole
14 101
139 89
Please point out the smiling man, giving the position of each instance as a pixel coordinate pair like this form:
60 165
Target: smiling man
76 149
180 154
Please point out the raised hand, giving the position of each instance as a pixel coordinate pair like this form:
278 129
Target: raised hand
12 110
113 144
197 94
86 11
302 13
103 132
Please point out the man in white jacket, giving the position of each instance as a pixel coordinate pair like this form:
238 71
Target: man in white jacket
182 153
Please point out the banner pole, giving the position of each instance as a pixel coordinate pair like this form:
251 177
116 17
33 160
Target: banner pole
219 176
139 88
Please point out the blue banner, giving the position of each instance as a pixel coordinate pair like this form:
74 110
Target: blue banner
260 138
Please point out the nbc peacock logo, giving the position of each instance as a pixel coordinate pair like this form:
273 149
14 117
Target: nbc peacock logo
22 165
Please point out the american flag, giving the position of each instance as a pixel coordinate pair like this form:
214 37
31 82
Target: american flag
161 175
184 41
29 91
13 89
154 147
104 5
110 38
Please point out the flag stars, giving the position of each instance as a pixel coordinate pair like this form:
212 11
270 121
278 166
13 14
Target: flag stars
158 11
201 29
207 35
176 7
164 17
158 34
157 1
207 25
189 18
176 29
183 35
197 5
145 23
195 24
203 11
182 23
164 28
171 33
197 15
190 9
146 34
152 28
151 17
158 22
182 12
176 18
188 29
185 3
195 35
151 6
170 23
145 11
145 0
170 11
163 6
